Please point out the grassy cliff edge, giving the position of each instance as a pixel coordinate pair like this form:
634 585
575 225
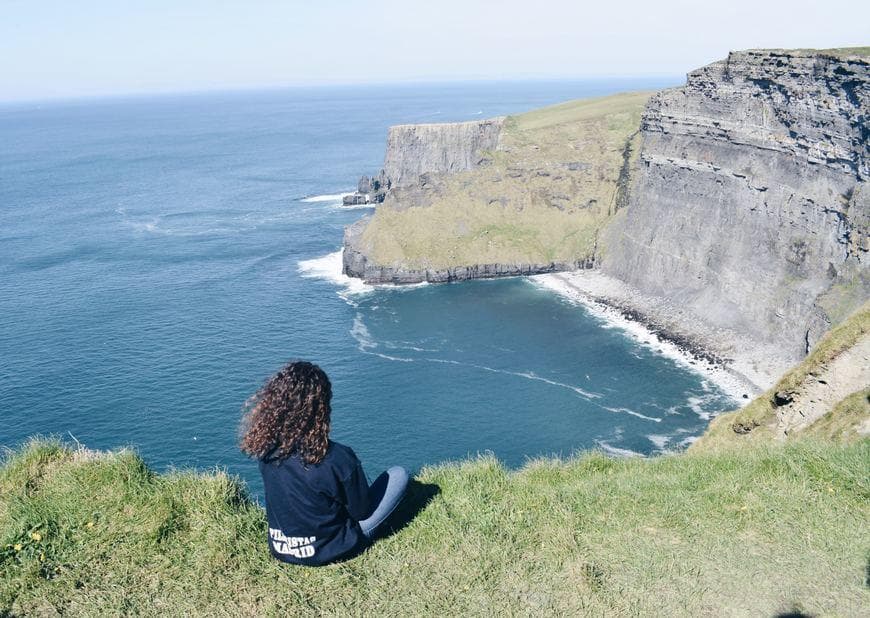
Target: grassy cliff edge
845 413
767 529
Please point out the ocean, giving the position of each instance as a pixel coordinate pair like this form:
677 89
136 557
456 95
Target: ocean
161 256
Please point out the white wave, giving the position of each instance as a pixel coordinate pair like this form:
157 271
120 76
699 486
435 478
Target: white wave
521 374
402 287
402 345
659 441
332 197
147 226
367 344
695 404
633 413
341 206
609 317
360 332
393 358
576 389
614 450
328 267
688 441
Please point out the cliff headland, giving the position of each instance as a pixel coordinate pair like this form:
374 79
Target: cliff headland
515 196
730 214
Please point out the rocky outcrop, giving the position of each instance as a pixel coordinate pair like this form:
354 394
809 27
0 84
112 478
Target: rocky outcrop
825 395
369 190
417 149
749 204
819 392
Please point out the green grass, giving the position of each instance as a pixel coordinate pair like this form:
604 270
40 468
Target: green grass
761 412
840 423
838 52
755 532
621 108
543 196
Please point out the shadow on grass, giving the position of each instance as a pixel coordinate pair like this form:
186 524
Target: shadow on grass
417 498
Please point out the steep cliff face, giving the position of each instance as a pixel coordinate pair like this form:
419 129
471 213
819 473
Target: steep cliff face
417 149
749 204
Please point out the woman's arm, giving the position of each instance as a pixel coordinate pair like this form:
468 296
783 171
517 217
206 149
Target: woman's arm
355 494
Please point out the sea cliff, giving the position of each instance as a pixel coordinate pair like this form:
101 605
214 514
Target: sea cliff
737 203
447 148
749 203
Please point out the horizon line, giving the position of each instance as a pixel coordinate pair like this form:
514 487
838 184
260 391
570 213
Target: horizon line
233 89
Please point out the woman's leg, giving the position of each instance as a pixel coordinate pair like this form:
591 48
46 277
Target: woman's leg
385 494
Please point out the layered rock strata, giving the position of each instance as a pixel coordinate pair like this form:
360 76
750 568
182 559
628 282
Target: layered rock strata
417 149
749 204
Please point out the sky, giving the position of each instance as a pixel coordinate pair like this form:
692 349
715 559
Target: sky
61 49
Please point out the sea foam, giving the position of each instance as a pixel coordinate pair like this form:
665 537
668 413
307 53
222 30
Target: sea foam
332 197
329 267
612 318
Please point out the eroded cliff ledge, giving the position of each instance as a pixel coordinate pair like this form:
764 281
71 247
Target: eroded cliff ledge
749 203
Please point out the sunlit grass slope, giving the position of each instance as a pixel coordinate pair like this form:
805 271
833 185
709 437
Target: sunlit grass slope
768 529
843 417
540 197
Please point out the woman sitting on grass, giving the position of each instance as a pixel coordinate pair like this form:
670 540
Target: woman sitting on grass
319 504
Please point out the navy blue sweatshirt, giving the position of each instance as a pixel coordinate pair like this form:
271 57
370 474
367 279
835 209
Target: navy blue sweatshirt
313 509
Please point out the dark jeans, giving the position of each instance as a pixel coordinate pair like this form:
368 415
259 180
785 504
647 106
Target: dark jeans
385 494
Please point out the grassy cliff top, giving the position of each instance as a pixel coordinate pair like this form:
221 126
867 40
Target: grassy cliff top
845 52
838 52
765 530
540 197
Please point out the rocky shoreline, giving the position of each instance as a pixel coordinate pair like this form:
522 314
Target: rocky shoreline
746 367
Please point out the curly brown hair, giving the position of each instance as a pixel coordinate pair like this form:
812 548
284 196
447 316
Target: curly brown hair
289 415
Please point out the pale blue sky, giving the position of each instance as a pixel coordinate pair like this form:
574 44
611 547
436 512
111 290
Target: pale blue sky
61 48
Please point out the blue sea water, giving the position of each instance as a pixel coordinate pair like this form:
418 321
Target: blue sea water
160 257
